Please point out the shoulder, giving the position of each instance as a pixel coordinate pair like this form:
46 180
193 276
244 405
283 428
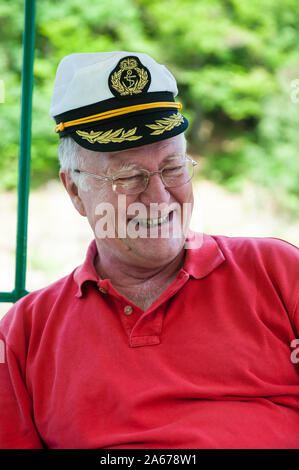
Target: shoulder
264 249
269 265
264 262
32 311
262 258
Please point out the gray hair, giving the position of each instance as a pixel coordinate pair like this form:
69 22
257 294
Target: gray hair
70 158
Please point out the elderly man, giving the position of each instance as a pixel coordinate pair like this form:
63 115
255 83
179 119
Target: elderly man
162 338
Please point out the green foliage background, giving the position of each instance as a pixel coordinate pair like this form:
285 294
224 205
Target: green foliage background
234 62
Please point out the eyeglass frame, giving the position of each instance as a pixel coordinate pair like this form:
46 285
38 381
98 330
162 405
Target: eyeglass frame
147 175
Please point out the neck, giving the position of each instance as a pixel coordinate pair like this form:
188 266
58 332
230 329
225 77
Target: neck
125 275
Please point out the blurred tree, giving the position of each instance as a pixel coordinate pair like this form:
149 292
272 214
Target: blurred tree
234 62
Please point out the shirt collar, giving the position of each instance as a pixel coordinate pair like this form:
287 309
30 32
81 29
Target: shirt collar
203 255
87 270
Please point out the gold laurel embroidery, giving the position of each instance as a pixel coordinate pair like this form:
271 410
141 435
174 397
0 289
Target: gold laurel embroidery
166 124
143 79
138 84
116 84
118 136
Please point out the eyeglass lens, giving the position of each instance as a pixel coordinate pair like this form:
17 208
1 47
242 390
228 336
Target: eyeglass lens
171 176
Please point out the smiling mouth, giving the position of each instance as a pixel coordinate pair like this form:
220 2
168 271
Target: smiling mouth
154 222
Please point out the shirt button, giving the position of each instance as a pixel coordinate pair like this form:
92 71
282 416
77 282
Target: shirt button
101 289
128 310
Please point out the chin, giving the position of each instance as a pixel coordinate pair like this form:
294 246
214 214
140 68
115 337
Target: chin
159 249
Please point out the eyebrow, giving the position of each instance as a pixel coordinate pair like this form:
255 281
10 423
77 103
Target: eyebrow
125 166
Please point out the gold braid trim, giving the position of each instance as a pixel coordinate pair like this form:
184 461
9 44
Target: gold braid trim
116 112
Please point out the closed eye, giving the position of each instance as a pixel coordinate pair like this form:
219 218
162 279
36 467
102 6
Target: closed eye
128 178
173 169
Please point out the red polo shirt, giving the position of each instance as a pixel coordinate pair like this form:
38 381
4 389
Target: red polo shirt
208 365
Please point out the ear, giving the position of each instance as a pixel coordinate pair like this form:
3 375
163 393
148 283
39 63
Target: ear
72 190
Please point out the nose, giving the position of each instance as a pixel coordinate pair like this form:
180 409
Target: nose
155 191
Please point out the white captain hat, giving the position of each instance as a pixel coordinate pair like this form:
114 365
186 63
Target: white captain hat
108 101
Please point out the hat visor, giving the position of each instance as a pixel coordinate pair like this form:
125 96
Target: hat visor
129 132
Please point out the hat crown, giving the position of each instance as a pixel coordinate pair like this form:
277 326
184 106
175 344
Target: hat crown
82 79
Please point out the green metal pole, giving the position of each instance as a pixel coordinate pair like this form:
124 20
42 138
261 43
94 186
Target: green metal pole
7 297
25 144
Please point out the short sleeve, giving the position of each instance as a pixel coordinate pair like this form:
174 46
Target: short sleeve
17 429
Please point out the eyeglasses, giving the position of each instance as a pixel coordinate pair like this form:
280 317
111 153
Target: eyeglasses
173 175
